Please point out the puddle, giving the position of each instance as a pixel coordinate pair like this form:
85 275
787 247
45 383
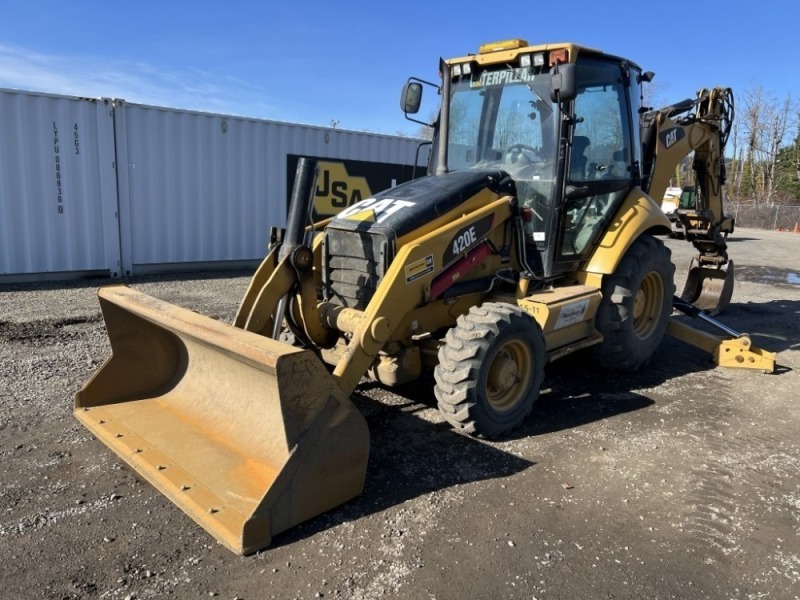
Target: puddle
768 275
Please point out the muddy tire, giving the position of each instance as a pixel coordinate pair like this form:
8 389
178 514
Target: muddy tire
636 305
491 367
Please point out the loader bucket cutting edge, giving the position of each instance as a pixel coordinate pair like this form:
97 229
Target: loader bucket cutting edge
247 435
709 289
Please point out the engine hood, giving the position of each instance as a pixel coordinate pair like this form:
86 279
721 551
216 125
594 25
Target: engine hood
402 209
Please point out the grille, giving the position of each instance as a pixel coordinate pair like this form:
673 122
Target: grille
355 263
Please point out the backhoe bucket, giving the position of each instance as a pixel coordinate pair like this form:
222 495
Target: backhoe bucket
247 435
708 288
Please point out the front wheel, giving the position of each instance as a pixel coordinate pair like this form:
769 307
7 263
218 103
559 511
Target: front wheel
636 305
491 367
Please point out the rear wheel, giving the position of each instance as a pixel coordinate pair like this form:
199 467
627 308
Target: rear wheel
491 367
636 305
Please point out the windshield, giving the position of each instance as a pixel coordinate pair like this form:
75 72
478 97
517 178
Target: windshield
503 119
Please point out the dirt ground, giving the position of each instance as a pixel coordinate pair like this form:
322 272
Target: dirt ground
680 481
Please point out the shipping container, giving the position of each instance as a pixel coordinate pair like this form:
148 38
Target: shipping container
115 188
58 199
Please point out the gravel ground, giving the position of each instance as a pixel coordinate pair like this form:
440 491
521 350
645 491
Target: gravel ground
679 481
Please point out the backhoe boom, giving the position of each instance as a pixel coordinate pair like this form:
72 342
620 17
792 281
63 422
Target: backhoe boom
669 134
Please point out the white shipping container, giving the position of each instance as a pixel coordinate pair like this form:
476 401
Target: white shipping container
58 201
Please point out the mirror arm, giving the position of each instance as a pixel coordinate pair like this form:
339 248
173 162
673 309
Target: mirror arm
438 91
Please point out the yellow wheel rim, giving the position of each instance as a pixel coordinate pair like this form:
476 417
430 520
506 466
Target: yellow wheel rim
510 366
647 305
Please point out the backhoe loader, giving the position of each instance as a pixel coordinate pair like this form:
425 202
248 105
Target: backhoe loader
533 236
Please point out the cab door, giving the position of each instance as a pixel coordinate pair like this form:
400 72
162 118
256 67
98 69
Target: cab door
601 165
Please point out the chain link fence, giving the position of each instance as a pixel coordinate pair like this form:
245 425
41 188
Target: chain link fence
764 217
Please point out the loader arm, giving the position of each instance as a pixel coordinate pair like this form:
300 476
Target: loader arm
669 134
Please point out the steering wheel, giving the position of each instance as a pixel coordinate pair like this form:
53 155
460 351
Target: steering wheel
523 148
530 163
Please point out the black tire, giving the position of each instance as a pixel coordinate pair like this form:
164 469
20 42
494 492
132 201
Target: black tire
636 305
491 367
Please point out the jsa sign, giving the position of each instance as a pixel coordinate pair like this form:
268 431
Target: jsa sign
342 183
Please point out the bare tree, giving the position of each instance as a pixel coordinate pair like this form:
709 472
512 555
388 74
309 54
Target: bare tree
653 94
779 116
797 143
765 124
738 172
425 132
733 176
753 130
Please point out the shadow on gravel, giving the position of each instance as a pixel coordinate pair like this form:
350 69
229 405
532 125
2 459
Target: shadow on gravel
44 331
736 238
410 456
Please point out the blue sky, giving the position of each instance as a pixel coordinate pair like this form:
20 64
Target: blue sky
314 62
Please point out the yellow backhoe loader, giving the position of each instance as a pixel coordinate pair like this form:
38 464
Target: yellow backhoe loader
533 236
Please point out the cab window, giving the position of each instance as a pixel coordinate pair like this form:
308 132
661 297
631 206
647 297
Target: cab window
601 143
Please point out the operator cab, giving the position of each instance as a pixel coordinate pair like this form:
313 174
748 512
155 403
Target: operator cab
559 120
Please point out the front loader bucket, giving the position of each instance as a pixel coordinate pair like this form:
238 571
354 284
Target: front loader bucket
245 434
708 288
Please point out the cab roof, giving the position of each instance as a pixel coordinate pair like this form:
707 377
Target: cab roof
510 50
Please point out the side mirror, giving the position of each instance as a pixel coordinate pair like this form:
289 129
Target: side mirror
646 77
562 83
411 98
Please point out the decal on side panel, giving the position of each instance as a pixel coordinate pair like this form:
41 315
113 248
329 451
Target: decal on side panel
419 268
467 237
572 313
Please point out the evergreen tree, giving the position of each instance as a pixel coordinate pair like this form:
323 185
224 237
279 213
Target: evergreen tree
789 172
